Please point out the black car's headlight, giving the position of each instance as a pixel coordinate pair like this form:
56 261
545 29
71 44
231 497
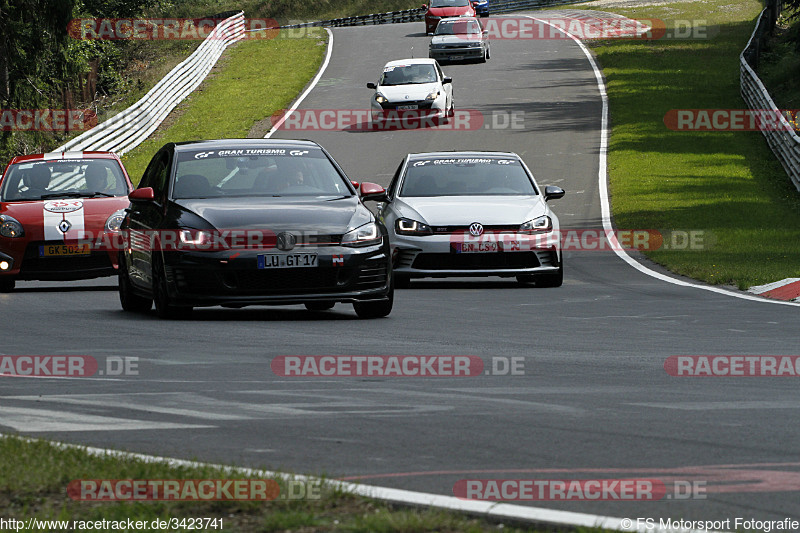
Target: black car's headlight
537 225
366 235
10 227
195 238
114 222
406 226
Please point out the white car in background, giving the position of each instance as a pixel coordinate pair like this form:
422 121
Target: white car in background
459 39
412 89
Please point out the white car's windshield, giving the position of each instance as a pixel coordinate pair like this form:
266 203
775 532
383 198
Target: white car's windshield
409 75
466 176
257 172
65 178
458 28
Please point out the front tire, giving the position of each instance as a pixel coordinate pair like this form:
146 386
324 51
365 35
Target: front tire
131 302
375 309
164 308
7 284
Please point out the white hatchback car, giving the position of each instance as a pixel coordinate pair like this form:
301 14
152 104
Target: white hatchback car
412 89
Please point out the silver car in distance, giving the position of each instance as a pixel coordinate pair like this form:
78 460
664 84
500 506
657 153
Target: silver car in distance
459 39
471 214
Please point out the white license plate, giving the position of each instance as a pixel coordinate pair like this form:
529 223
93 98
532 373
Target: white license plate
287 260
479 247
405 107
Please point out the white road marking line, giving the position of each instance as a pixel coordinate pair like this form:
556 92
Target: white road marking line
39 420
606 206
309 88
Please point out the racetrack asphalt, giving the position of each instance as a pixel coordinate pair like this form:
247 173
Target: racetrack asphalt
594 400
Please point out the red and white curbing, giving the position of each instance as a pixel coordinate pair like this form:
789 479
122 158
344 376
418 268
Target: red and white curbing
786 289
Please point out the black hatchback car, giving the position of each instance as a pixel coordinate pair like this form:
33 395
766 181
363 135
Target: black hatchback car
240 222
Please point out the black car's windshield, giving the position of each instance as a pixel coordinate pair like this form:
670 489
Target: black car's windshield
466 176
257 172
63 178
409 74
449 3
460 27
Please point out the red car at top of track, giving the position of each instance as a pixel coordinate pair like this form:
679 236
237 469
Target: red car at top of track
52 207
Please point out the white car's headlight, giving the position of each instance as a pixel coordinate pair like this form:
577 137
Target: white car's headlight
433 95
406 226
10 227
537 225
366 235
114 222
381 99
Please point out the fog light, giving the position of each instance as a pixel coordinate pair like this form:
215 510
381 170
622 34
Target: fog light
4 265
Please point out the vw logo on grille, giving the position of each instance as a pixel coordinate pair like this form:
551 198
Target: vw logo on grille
285 241
64 226
476 229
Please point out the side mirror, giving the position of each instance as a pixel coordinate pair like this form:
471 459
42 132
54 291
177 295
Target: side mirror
372 191
145 193
485 32
371 85
447 79
355 184
551 192
424 6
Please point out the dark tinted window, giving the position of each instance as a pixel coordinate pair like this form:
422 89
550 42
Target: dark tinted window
466 176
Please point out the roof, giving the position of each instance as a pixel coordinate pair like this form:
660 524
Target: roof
410 61
217 144
454 153
54 156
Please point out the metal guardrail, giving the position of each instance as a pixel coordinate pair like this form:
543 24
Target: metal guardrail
413 15
126 130
783 140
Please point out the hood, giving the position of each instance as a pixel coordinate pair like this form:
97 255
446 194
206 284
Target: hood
456 39
464 210
398 93
325 215
41 218
449 11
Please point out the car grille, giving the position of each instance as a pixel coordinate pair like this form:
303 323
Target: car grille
445 230
32 263
476 261
423 104
372 277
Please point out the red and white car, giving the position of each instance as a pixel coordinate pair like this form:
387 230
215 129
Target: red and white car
54 207
439 9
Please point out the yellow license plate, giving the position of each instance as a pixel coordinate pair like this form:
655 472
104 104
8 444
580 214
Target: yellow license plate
51 250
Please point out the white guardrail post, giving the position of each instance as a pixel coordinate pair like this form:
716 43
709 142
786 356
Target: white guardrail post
126 130
782 139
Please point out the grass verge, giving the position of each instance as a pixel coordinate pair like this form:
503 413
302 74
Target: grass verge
253 80
727 185
34 476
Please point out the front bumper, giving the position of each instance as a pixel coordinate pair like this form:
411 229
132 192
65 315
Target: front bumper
443 256
342 274
28 263
456 53
389 112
